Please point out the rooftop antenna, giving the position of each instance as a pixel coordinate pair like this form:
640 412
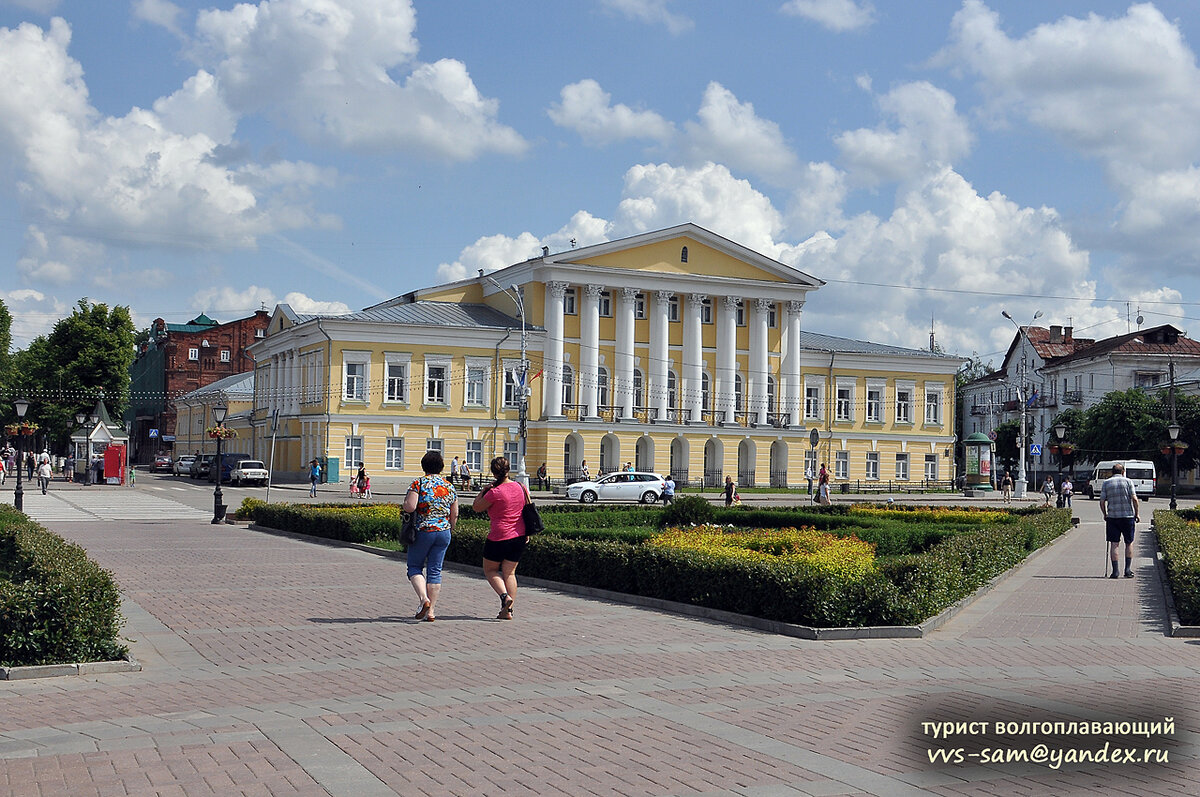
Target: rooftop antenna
932 342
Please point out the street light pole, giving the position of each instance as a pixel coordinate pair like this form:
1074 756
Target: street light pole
22 407
1021 396
219 507
515 294
1173 430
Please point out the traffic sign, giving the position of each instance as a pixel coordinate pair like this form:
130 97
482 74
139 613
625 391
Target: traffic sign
1035 449
814 438
153 433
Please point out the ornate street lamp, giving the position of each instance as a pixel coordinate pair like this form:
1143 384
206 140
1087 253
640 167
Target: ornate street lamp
80 419
1021 332
219 508
22 407
1173 430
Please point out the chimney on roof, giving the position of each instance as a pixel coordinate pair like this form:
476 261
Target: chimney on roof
1056 333
481 273
545 251
1067 334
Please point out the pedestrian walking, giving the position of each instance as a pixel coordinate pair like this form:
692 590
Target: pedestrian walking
435 504
730 490
1048 490
542 477
1120 509
3 470
314 476
1006 487
464 471
44 473
1067 490
808 475
454 471
30 465
503 500
823 486
668 494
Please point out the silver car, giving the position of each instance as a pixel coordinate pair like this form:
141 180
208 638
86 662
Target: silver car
248 471
183 465
624 486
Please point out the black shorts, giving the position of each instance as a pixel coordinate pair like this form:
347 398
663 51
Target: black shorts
504 550
1117 527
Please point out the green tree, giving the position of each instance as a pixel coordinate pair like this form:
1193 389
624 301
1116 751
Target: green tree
972 369
5 343
1006 443
86 354
1126 424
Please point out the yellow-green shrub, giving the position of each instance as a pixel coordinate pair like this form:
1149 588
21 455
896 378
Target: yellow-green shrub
847 557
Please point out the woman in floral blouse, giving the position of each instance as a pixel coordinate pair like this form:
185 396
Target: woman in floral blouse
435 503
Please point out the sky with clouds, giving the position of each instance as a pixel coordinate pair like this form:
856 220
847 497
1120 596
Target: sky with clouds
934 162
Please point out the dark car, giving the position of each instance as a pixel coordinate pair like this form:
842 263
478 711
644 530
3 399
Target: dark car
201 466
162 462
228 461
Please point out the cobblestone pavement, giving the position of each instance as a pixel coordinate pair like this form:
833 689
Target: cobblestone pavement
276 666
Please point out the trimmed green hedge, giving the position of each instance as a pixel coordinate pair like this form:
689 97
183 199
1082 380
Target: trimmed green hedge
350 523
605 552
56 605
1179 538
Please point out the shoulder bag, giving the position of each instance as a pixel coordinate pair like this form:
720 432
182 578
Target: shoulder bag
408 528
529 514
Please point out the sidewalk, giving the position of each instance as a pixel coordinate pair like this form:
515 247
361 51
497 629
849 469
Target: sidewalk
275 666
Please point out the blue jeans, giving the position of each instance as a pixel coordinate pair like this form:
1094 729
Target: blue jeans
428 553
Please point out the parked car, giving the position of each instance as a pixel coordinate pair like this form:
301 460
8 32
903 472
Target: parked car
201 465
183 465
162 462
228 463
251 471
626 486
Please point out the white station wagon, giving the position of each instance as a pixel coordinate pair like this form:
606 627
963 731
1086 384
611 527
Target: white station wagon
624 486
249 471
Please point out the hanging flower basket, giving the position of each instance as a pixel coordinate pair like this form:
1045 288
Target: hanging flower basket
25 428
1176 446
221 433
1061 448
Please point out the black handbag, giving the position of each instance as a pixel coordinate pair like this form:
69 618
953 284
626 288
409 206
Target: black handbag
408 529
533 520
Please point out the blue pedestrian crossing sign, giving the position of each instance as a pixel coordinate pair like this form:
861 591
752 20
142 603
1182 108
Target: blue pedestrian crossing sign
1035 449
153 433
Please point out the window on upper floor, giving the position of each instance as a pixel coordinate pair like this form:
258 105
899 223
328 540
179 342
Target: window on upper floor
225 355
569 299
812 402
933 407
844 407
193 354
476 392
394 453
639 389
601 386
396 387
673 308
874 404
740 313
739 403
931 467
436 379
902 467
872 470
772 316
683 255
903 405
672 390
706 316
568 384
705 383
639 305
606 304
355 382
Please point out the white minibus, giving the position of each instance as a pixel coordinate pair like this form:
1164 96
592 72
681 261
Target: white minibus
1139 471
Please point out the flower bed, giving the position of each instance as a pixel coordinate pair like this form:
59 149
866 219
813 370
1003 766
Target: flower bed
803 576
1179 538
56 605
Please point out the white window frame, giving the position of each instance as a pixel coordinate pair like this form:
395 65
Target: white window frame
605 304
570 302
474 455
354 442
772 316
393 457
639 389
358 358
706 310
902 466
512 449
739 391
404 362
568 384
432 362
672 390
841 465
435 444
225 356
603 386
875 405
936 392
844 408
931 473
813 405
872 471
810 463
193 354
673 308
639 306
484 385
740 313
904 407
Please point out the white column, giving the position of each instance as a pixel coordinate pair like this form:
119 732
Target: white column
273 393
553 351
793 385
693 358
758 361
294 382
623 386
726 357
589 349
656 388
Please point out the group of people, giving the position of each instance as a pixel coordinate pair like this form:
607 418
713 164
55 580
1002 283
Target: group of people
434 503
39 464
1064 491
822 479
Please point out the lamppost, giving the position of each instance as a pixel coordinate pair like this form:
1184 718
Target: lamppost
1060 431
22 407
80 418
1173 430
1021 395
515 294
219 418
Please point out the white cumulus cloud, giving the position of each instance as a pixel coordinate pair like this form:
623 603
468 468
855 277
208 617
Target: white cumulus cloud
227 301
729 131
327 69
836 15
163 13
587 109
653 12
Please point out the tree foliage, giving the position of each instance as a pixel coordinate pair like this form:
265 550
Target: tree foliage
87 354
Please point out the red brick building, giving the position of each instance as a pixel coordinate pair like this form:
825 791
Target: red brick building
177 359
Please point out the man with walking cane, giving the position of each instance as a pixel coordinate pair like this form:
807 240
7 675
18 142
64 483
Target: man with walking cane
1119 508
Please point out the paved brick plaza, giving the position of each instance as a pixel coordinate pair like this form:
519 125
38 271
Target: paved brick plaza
275 666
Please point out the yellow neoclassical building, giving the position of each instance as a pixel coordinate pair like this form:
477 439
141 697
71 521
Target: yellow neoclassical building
676 350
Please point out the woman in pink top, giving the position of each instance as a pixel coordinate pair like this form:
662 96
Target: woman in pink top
502 500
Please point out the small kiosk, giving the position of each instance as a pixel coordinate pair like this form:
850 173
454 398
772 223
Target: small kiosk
100 449
978 448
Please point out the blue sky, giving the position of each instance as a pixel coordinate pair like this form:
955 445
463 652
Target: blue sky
936 161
